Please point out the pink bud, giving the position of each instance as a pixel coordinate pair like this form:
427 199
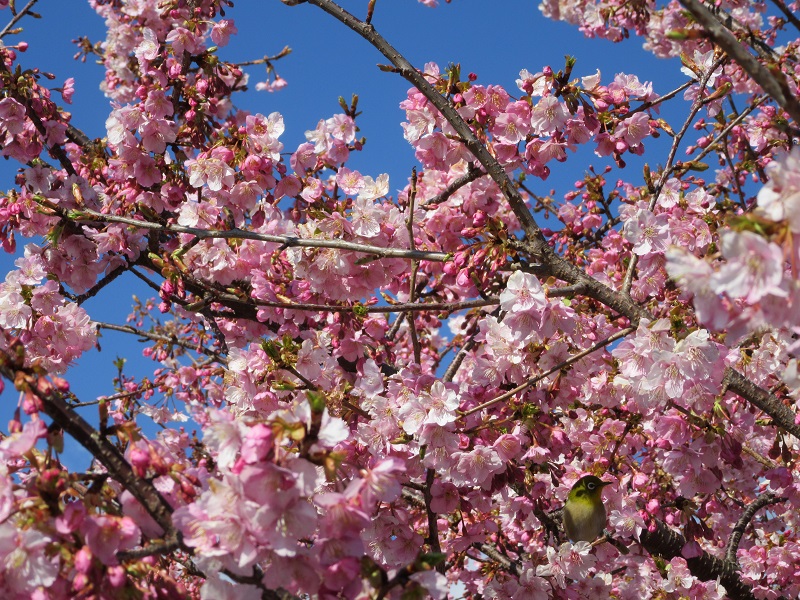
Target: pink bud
116 576
663 444
32 404
14 425
83 560
79 582
463 278
140 460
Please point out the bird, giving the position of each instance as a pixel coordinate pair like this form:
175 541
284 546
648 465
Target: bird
584 514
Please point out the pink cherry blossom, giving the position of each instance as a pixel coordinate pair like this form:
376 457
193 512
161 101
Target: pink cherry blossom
350 390
754 268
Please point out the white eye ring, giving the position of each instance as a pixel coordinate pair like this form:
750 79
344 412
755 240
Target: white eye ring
591 486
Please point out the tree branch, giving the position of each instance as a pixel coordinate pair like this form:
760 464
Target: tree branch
534 380
670 167
55 407
443 105
744 521
161 338
783 416
15 19
789 14
433 523
662 541
287 241
772 81
535 242
471 175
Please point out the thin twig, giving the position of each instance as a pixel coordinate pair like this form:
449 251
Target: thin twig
698 104
501 559
534 380
266 60
284 240
466 348
721 135
15 19
391 308
156 337
412 284
789 14
119 396
659 100
471 175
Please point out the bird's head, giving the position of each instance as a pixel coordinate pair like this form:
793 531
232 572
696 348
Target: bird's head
588 487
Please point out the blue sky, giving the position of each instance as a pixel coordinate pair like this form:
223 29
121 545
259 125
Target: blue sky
495 40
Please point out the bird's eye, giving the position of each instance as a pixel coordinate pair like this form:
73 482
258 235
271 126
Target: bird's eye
591 486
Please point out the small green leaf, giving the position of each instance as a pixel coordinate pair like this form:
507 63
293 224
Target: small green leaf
316 400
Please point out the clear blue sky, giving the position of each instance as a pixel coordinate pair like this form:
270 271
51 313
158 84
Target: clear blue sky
493 39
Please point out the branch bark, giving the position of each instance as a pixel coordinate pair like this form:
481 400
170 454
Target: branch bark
768 79
287 241
100 448
443 105
662 541
782 415
535 242
744 521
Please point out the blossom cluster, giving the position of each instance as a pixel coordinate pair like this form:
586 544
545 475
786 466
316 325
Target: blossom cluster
358 395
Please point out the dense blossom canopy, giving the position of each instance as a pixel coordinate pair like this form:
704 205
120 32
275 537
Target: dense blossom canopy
392 396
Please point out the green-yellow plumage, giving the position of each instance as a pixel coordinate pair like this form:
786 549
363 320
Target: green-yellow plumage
584 513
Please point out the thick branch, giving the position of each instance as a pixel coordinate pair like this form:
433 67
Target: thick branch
782 415
433 523
535 243
666 543
768 80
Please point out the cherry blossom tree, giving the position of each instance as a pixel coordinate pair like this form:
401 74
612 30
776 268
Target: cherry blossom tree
366 395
